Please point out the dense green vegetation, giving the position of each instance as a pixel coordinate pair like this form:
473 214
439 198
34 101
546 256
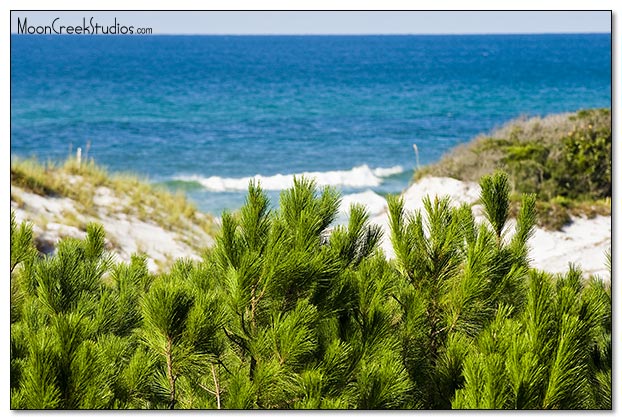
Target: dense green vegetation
282 313
564 159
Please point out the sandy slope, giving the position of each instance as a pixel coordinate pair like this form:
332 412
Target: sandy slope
125 234
582 242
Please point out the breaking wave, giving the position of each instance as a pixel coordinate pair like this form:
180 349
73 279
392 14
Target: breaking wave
357 177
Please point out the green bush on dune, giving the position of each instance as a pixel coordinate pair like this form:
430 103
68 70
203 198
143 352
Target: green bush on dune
564 159
281 314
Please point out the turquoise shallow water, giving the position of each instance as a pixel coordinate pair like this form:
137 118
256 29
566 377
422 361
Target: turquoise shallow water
206 113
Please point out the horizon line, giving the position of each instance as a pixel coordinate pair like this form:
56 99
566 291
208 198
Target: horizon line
335 34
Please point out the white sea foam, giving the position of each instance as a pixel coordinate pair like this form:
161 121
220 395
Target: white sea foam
374 203
357 177
385 172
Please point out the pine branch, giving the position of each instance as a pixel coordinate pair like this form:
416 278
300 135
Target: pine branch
169 373
216 385
237 340
495 194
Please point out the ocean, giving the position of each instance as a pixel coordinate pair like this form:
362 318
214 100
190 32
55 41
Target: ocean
205 114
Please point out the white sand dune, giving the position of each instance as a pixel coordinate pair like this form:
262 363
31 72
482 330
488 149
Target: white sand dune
125 234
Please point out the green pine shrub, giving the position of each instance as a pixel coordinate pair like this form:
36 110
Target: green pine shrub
288 312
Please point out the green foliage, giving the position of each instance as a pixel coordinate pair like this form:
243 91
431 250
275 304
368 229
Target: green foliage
543 357
459 274
585 162
289 312
495 197
22 249
565 160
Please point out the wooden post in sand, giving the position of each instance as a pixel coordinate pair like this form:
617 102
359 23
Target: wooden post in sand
416 154
86 151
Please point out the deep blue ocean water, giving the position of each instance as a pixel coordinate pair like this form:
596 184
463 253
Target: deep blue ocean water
205 113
